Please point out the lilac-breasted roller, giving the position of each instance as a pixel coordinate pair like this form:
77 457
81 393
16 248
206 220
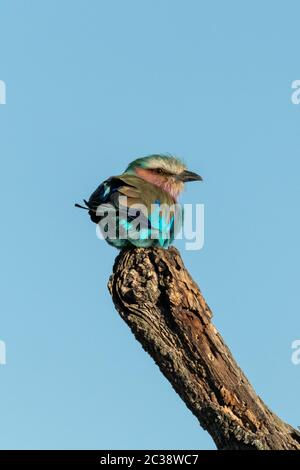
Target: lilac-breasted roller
139 207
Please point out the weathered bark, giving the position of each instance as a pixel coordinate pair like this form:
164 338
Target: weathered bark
167 313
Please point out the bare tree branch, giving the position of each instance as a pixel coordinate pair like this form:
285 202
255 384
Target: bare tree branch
164 308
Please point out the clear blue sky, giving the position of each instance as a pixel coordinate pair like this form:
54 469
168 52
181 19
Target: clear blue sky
92 85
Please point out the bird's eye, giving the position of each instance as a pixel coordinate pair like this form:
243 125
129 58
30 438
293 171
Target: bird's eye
159 171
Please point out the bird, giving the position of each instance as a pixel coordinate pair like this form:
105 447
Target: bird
139 208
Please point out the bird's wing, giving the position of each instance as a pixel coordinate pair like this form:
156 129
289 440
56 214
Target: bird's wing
133 188
147 193
164 215
132 197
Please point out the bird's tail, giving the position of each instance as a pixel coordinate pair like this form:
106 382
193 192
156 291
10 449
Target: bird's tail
92 210
86 207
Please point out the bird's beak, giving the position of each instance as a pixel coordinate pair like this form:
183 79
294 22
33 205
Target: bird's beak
189 176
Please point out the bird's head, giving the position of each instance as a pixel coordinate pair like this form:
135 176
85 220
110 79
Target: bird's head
166 172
